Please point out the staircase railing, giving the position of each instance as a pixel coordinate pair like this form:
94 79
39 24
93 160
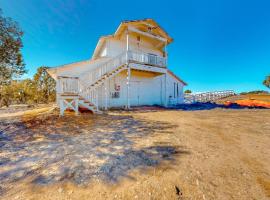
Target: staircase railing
94 75
87 79
125 57
82 84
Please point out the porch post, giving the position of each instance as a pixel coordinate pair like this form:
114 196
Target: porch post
127 45
76 106
106 94
165 88
128 87
165 49
128 72
62 106
165 85
96 91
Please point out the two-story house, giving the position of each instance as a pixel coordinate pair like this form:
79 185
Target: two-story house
128 68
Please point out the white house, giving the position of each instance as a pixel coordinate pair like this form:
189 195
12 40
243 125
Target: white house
128 68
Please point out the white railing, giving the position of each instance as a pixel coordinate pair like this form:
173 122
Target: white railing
207 96
146 58
68 85
82 85
88 78
88 93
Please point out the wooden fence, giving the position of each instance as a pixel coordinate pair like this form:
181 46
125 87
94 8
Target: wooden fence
207 96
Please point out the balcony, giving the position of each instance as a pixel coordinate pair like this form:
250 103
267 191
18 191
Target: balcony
147 59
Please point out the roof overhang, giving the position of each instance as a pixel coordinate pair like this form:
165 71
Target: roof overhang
146 27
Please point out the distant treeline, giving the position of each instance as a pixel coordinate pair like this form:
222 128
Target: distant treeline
40 89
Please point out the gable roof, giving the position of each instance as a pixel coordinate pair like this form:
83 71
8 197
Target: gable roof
157 30
148 22
101 42
176 77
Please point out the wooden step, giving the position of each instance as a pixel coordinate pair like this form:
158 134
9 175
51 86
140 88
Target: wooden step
69 94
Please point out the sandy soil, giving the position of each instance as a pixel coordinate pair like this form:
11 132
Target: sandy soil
173 154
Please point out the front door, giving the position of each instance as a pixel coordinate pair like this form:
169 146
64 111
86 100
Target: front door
134 93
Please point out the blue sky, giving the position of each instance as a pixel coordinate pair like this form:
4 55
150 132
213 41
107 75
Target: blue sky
217 44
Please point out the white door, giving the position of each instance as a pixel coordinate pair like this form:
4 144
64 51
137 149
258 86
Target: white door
134 93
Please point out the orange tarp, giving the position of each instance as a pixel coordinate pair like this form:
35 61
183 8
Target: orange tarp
250 103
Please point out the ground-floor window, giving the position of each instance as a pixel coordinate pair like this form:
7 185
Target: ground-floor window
177 91
173 90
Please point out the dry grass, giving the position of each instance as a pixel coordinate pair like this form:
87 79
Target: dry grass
210 154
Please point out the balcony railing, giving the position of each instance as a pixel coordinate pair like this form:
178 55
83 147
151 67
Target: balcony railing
68 85
146 58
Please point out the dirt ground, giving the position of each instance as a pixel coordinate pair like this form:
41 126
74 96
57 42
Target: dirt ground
150 154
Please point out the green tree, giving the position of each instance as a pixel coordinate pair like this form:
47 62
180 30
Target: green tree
188 91
45 85
266 82
11 61
6 94
24 91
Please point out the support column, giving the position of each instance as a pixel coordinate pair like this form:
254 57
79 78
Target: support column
127 46
128 71
96 91
128 88
165 85
62 107
106 94
76 106
165 88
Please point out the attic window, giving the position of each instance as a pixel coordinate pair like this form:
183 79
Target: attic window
104 53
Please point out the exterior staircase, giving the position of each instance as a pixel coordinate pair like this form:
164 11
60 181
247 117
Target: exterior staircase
83 89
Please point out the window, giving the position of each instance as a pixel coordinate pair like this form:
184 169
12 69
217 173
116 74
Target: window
173 90
104 52
177 91
115 95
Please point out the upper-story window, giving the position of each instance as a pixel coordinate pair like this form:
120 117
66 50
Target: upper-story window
104 52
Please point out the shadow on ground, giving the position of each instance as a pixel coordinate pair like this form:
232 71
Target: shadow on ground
79 149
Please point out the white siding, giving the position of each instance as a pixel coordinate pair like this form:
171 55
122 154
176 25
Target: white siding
118 46
144 90
174 96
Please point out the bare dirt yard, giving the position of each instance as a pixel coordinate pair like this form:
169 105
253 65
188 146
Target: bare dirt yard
151 154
